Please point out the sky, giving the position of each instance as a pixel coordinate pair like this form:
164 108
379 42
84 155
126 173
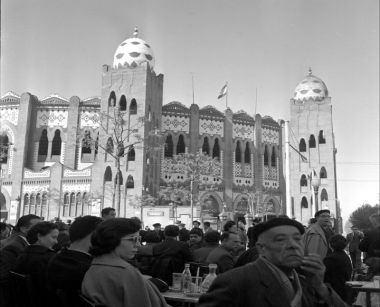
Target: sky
262 48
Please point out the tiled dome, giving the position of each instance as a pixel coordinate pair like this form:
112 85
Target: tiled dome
133 52
311 88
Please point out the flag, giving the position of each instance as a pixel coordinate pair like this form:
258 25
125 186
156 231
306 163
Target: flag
223 91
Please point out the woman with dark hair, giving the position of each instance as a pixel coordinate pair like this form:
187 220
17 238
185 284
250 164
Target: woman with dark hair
34 259
338 266
111 280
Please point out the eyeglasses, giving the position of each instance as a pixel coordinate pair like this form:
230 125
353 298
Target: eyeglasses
134 240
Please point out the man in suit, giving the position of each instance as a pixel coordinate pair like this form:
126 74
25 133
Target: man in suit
222 255
371 245
317 236
211 241
353 239
157 228
272 280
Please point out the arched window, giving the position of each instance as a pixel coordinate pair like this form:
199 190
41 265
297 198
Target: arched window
133 107
43 146
303 182
120 178
44 204
304 203
85 203
273 157
97 145
78 205
131 153
4 146
130 182
149 114
247 154
302 146
238 152
181 145
32 203
266 155
312 141
56 144
321 138
323 173
108 174
109 146
206 146
216 150
86 143
112 99
66 203
26 204
168 150
324 196
120 149
123 103
72 204
38 204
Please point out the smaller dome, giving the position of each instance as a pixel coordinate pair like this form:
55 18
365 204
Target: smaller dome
133 52
311 88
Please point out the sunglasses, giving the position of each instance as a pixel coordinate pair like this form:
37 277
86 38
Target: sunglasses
134 240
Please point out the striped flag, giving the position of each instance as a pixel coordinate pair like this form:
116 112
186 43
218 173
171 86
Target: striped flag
223 91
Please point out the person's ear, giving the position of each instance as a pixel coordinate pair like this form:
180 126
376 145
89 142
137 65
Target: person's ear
260 247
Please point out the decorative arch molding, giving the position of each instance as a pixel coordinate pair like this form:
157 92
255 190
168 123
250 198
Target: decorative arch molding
276 203
7 198
215 196
238 198
7 129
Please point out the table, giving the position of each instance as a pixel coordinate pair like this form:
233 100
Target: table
180 297
367 287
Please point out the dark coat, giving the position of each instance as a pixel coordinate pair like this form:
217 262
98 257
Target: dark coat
169 256
184 235
371 243
338 271
222 258
255 285
200 255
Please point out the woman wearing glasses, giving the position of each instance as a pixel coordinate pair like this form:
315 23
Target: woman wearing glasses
111 280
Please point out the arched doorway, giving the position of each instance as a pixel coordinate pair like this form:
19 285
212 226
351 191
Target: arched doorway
241 209
3 207
210 207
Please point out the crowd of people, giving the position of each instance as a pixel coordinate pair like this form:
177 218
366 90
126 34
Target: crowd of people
114 262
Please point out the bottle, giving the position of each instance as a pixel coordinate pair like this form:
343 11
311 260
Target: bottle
186 279
210 277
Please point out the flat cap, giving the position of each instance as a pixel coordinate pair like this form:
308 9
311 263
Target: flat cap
318 213
196 222
278 221
156 224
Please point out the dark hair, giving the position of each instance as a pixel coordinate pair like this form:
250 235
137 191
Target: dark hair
152 237
226 235
24 221
62 226
312 220
83 226
212 236
42 228
196 231
106 211
3 226
208 224
228 225
107 234
338 242
171 231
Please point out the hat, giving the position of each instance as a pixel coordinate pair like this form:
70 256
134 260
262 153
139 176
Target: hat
156 225
178 223
278 221
196 222
318 213
196 231
212 236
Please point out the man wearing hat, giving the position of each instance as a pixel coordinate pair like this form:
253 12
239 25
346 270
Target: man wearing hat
318 234
157 228
272 280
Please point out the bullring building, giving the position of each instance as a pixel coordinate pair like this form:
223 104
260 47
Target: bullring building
47 167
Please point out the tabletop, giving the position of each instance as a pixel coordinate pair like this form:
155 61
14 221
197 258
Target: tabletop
180 297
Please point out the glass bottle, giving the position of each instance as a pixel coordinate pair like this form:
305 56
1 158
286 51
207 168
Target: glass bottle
210 277
186 279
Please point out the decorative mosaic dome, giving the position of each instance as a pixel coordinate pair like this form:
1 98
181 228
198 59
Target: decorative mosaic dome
310 88
133 52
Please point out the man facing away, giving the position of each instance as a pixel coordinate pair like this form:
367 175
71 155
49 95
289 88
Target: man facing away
272 280
317 236
108 213
353 239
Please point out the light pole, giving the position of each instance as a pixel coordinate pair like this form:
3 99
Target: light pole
315 183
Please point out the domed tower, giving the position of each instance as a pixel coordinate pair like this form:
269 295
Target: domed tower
131 107
313 168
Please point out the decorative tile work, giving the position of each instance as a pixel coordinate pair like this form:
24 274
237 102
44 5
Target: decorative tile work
270 136
248 170
31 174
237 169
75 187
243 181
89 119
74 173
35 188
9 114
63 148
211 127
52 118
243 131
175 123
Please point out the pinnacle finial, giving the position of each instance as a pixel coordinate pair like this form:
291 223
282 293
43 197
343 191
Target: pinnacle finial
310 72
136 32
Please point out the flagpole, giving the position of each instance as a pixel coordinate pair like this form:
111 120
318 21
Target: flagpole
192 82
227 95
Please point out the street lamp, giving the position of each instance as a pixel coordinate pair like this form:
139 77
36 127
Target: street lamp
315 183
